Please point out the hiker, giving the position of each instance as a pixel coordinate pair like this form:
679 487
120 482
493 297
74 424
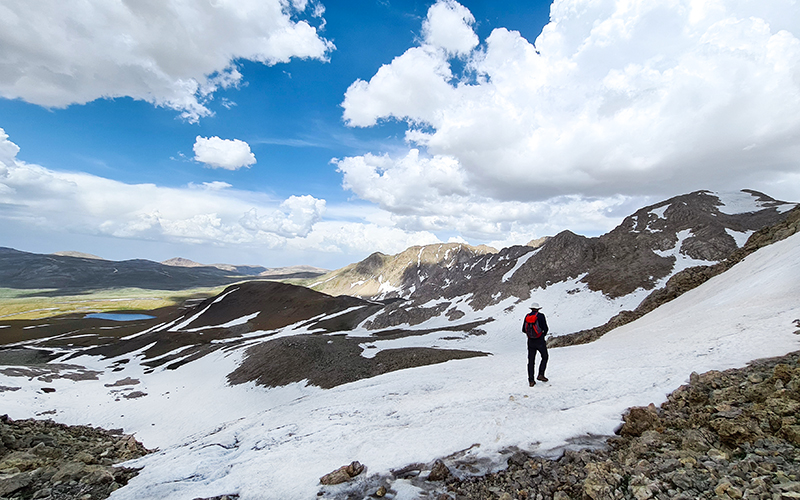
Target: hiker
535 327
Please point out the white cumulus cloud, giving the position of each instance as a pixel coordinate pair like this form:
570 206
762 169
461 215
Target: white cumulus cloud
171 53
615 101
449 26
229 154
431 194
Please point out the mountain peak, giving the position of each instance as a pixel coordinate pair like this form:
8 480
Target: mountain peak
382 276
79 255
181 262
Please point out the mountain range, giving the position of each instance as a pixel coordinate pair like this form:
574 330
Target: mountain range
69 271
624 265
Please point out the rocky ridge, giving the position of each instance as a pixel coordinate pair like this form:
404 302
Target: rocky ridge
41 459
639 254
686 280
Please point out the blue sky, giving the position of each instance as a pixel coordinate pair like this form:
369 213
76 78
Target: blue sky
317 133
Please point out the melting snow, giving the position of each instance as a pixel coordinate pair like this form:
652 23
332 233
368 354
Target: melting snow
682 261
741 202
235 322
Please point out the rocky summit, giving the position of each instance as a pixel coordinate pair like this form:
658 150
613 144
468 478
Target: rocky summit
382 276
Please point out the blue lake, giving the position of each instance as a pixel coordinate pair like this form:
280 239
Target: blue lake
119 316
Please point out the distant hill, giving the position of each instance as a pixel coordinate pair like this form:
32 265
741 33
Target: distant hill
263 272
26 270
71 253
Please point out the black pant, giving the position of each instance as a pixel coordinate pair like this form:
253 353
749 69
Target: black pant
535 345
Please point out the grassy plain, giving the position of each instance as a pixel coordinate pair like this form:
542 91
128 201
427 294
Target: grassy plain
39 304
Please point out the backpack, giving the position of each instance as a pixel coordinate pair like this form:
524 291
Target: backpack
531 327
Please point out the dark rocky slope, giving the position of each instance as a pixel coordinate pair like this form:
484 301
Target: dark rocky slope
44 460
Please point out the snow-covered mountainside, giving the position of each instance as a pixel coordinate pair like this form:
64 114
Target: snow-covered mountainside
620 268
275 442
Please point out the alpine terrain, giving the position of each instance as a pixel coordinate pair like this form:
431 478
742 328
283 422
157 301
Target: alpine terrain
416 361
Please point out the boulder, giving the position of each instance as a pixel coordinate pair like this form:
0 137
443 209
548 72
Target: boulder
9 483
640 419
439 472
342 474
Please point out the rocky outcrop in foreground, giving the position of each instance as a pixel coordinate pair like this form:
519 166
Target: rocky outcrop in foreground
40 459
726 435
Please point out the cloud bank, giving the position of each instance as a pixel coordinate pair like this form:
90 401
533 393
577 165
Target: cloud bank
170 53
223 153
615 102
212 213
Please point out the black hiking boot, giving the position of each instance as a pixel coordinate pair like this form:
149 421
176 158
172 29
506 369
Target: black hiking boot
532 383
542 378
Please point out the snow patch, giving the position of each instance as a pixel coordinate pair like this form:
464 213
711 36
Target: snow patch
682 261
229 324
739 237
741 202
520 262
659 212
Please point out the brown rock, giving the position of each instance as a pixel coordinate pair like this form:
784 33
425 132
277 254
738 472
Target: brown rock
69 471
342 474
640 419
732 432
792 434
10 483
84 457
601 480
439 472
98 475
782 372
